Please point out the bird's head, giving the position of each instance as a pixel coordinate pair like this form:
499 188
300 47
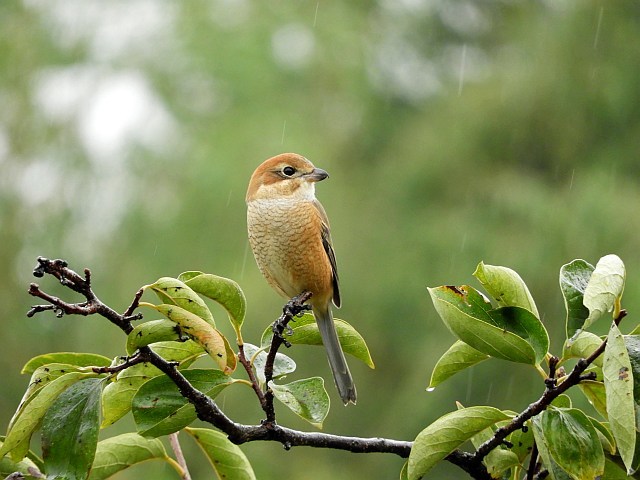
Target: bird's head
287 175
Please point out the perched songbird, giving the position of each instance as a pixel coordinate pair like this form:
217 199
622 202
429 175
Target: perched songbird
290 238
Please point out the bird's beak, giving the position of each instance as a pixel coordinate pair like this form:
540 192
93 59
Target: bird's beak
316 175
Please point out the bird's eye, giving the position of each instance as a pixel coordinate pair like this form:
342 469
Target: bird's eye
288 171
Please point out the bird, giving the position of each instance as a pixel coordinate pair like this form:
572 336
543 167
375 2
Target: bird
291 241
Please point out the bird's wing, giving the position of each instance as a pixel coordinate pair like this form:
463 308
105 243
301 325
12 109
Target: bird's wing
328 248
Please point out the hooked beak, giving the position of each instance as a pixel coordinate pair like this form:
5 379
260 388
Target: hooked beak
317 175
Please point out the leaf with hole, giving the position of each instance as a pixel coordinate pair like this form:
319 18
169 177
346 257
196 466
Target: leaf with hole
510 333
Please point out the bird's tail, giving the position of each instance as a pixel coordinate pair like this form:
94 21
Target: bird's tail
338 363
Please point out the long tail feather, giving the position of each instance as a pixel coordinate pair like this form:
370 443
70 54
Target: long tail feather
338 363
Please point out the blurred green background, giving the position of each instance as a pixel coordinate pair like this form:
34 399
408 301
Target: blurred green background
454 132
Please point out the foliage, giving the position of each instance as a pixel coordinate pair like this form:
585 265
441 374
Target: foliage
69 392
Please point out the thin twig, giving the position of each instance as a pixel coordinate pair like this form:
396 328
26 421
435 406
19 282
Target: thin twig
292 308
177 450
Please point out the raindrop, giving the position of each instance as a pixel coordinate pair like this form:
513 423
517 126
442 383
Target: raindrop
431 389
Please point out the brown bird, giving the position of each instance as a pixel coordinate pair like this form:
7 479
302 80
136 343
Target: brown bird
290 238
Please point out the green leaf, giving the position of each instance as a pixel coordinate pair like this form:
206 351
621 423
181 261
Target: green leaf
632 343
306 398
498 460
446 434
305 332
574 277
583 345
555 472
459 357
26 466
70 431
522 441
572 442
122 451
470 317
225 457
612 471
596 395
604 291
39 379
18 437
618 383
506 287
282 364
152 332
404 473
561 401
213 342
606 437
117 396
71 358
172 291
159 408
222 290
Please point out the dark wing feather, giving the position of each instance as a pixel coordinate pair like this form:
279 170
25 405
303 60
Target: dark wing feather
328 247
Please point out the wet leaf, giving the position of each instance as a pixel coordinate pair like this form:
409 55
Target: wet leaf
39 379
17 440
282 364
24 466
605 287
459 357
572 441
606 437
123 451
306 398
583 345
506 287
160 409
305 332
117 396
574 277
172 291
225 457
150 332
71 358
446 434
618 383
202 332
596 395
70 431
471 318
222 290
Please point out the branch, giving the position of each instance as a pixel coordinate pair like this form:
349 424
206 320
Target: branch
206 409
551 393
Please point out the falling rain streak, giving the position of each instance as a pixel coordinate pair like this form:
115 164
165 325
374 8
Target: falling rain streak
597 37
463 61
